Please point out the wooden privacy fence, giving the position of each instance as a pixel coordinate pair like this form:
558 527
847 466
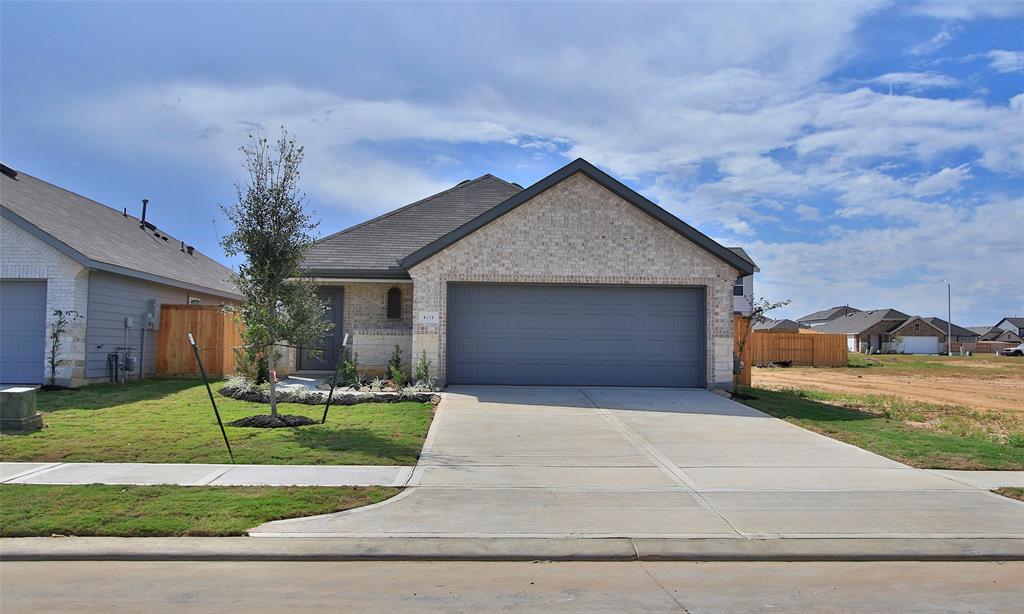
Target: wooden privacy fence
216 333
802 349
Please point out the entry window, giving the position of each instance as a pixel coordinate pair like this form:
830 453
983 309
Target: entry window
394 304
737 288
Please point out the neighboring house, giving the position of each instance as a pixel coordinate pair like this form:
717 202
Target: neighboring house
1014 325
64 251
889 330
743 289
576 279
780 326
994 333
827 315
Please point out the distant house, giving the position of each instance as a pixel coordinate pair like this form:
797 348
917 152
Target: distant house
827 315
1014 325
889 330
743 289
994 333
63 251
780 326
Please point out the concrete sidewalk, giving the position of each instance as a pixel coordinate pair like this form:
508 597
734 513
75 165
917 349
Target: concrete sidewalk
204 474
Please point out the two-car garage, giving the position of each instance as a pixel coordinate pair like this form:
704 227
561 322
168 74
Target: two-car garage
548 334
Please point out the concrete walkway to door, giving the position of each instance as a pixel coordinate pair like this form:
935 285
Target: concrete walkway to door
614 462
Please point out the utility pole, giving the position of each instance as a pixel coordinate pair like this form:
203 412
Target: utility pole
949 318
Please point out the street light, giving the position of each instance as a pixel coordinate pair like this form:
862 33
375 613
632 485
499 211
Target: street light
949 318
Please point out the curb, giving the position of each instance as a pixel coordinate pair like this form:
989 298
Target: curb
508 549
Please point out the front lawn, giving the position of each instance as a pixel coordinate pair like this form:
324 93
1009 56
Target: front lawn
154 511
907 432
171 421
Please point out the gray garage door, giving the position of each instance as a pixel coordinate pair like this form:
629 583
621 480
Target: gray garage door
575 335
22 331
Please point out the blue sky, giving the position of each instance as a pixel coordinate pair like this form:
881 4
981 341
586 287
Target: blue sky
861 152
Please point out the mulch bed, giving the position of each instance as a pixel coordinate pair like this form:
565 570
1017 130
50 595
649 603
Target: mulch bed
265 421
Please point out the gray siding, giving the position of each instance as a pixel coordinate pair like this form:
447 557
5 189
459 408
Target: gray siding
112 298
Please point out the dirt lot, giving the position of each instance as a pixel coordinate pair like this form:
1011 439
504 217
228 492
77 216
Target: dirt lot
984 383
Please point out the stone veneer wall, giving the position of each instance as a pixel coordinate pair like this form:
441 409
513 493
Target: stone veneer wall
576 232
67 287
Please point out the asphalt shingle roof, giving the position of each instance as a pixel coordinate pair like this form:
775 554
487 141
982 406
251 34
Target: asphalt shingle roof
106 237
861 321
374 248
958 331
826 313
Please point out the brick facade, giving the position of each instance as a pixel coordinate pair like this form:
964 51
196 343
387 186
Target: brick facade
580 233
67 288
372 335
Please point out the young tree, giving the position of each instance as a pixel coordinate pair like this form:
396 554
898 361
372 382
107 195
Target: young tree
758 308
273 233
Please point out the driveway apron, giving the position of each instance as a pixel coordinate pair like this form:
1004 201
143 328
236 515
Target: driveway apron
621 462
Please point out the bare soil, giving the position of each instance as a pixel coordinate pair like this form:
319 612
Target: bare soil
996 385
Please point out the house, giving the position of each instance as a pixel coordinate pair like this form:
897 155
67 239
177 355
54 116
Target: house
576 279
63 251
889 330
743 289
827 315
994 333
865 330
780 326
1014 325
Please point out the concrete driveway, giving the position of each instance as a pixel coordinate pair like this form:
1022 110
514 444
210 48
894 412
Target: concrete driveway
615 462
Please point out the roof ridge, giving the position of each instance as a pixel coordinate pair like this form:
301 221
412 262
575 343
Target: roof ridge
421 201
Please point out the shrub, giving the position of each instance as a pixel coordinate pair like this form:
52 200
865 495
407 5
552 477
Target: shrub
396 359
396 375
421 372
349 375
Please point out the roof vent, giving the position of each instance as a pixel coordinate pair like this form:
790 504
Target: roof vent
10 172
463 182
190 250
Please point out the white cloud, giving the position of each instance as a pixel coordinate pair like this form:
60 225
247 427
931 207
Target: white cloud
1001 60
942 38
967 9
917 81
902 266
946 180
807 213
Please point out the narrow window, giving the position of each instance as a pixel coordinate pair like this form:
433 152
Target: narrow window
737 288
917 327
394 304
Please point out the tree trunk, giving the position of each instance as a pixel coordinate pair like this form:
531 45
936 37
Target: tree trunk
273 381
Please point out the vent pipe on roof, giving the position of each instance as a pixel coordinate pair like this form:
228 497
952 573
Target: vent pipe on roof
124 212
142 222
190 249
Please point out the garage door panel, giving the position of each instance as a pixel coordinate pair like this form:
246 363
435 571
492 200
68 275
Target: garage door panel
22 331
575 335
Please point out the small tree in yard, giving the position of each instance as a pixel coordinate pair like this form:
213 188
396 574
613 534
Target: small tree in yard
273 233
62 318
758 308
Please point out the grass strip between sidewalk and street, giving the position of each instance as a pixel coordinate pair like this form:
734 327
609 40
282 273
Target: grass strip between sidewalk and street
920 435
171 421
30 510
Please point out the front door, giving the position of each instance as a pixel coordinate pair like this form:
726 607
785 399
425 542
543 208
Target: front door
327 357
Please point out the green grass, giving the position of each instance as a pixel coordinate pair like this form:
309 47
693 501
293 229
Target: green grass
151 511
985 365
885 425
1013 493
855 360
171 421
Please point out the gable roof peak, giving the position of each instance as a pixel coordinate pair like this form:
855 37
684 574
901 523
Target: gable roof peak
606 181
